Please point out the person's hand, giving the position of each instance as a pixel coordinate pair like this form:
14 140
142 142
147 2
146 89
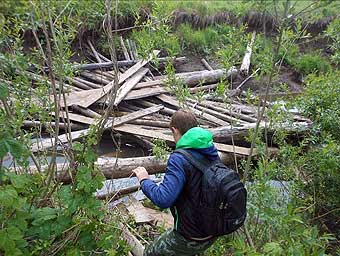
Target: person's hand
141 173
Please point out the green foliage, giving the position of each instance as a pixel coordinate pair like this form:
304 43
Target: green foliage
333 31
160 149
234 45
176 85
228 41
309 63
263 54
321 102
156 34
201 41
38 216
322 165
147 40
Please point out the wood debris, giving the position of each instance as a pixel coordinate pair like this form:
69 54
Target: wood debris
145 100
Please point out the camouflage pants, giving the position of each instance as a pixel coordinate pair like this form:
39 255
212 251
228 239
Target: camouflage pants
171 243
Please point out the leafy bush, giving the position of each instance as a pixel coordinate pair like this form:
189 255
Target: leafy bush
333 31
233 45
321 102
309 63
200 41
148 40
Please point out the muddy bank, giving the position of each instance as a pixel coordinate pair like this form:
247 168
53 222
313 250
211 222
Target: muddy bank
253 20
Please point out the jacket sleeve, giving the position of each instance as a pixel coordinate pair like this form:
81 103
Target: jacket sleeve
165 194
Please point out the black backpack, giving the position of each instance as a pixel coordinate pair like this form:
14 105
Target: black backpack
223 197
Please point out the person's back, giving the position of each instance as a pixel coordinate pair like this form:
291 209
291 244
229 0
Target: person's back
181 189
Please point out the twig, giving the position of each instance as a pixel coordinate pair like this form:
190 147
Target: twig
206 64
249 239
246 80
325 214
94 51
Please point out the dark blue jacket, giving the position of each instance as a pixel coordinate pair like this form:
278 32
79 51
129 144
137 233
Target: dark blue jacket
165 194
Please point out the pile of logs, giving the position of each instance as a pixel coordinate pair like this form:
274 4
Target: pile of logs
143 106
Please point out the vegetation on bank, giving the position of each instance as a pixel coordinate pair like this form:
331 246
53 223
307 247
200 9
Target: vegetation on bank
39 216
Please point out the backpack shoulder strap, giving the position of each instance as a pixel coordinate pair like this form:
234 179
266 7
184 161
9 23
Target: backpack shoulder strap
200 164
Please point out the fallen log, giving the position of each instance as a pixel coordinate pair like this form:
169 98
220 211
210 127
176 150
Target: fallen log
161 124
200 114
108 75
95 77
63 126
238 116
88 83
86 111
202 88
116 168
223 117
192 78
165 135
79 84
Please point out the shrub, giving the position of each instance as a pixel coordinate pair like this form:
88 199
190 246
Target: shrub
321 102
333 31
310 63
200 41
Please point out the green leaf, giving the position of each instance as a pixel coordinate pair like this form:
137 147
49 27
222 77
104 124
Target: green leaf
18 181
43 214
14 233
273 248
8 195
12 146
8 236
3 91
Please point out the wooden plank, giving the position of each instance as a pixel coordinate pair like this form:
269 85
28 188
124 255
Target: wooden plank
142 214
145 92
88 97
44 144
158 134
76 117
133 116
138 212
224 117
137 248
126 55
129 84
149 84
174 102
